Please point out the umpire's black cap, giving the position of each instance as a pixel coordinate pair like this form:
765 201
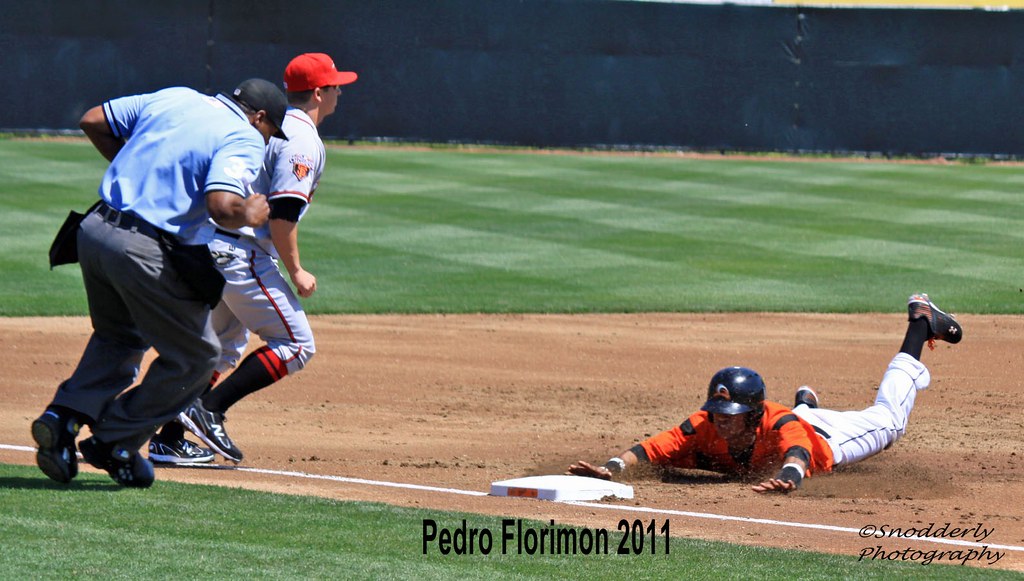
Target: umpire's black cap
262 95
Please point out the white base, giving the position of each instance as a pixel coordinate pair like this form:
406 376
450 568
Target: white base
561 487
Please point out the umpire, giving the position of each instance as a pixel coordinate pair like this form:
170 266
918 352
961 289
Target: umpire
178 158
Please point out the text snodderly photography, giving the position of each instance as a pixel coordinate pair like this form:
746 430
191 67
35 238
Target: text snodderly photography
976 533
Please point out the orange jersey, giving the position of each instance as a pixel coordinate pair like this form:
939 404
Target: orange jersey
696 444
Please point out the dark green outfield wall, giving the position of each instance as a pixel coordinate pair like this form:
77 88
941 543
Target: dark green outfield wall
553 72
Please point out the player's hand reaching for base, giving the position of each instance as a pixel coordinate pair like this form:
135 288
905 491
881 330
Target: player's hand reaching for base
775 485
582 468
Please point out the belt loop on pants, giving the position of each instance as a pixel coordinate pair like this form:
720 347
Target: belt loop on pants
129 221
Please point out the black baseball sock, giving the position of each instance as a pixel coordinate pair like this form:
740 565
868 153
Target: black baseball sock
172 431
209 386
260 369
914 340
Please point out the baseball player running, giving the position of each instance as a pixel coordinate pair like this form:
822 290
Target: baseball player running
738 432
177 159
256 296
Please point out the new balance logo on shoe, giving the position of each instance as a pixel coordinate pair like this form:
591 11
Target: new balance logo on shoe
209 427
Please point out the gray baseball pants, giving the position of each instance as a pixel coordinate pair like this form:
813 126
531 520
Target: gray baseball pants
136 301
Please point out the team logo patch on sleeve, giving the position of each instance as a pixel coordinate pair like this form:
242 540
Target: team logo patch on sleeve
302 166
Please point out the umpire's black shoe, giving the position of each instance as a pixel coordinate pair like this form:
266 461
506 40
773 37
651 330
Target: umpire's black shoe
806 396
125 467
941 326
209 427
55 435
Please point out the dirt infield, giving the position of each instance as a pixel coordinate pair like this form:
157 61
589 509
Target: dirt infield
461 401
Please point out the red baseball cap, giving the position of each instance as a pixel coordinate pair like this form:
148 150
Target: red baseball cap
314 69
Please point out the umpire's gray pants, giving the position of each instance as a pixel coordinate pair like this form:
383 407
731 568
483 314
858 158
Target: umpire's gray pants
136 301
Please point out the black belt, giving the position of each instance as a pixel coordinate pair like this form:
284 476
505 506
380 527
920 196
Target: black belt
229 234
822 432
127 221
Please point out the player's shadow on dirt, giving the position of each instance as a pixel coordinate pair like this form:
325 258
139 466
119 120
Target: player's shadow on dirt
43 483
674 476
892 475
644 473
886 477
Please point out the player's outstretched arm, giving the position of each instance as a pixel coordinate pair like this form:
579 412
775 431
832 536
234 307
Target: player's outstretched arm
612 466
774 485
787 480
584 468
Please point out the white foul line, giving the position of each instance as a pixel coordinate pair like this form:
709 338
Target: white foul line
16 448
783 523
353 480
763 521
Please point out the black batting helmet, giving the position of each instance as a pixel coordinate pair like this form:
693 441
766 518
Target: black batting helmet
736 390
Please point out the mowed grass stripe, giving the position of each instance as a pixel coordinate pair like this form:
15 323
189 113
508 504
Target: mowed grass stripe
796 231
730 195
805 237
451 231
703 229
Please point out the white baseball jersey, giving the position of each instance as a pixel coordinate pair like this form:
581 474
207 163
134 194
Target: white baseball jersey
257 296
291 169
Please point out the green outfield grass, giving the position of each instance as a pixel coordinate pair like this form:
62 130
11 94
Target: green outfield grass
449 231
92 529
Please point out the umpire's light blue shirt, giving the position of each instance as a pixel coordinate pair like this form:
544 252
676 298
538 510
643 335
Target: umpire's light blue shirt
180 145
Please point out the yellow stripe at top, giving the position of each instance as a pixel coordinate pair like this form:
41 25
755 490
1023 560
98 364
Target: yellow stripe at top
967 4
